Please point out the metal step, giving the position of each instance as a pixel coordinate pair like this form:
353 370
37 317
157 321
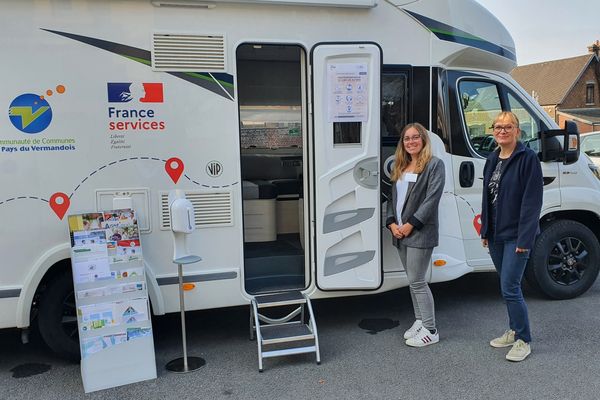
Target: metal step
280 336
284 333
279 299
287 352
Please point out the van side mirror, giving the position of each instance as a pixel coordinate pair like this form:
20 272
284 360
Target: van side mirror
561 144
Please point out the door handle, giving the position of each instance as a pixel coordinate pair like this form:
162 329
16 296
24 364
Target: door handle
366 173
466 174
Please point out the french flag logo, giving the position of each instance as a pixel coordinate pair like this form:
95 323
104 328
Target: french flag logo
124 92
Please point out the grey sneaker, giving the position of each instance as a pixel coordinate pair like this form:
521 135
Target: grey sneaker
506 340
519 351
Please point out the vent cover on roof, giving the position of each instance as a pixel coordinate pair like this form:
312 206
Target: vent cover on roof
211 209
188 53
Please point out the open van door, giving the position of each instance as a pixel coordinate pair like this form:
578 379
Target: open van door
346 112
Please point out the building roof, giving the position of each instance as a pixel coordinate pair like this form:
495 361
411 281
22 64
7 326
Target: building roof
587 115
551 80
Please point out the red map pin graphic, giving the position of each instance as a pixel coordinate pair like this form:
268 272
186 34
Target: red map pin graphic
477 223
59 203
174 167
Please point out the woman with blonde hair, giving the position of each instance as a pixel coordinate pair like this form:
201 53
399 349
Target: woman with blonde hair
513 187
412 216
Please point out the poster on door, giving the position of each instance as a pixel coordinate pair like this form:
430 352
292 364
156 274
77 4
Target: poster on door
348 92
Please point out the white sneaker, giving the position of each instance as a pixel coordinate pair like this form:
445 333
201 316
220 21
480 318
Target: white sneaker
507 339
423 338
519 351
412 331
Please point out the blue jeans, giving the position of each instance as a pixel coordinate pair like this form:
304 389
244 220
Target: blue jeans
510 267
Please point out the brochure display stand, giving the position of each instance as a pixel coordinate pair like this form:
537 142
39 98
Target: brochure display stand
111 295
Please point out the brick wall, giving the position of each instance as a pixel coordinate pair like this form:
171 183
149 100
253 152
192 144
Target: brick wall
583 127
576 97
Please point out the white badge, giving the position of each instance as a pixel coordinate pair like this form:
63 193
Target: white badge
410 177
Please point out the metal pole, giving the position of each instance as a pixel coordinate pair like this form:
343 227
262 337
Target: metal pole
182 307
184 364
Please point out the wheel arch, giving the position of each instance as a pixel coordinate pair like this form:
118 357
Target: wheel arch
48 265
586 217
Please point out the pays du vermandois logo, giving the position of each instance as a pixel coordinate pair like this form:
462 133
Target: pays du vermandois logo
31 113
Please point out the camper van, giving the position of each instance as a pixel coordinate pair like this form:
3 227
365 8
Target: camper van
279 120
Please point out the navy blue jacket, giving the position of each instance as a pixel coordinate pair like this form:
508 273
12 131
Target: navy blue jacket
519 197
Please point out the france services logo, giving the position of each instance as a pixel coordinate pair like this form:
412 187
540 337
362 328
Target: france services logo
124 92
31 113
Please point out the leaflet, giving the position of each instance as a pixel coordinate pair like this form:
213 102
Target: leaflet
91 270
132 311
129 272
101 315
89 245
111 290
136 333
97 343
97 316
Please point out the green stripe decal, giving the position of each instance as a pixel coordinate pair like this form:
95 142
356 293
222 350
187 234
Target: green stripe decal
200 75
223 87
452 34
140 60
464 35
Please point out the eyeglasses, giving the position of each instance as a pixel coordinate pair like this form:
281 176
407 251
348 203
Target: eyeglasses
411 138
506 128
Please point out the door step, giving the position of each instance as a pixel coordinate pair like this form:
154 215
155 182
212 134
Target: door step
283 333
297 327
279 299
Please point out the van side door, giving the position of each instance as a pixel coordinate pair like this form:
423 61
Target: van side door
346 146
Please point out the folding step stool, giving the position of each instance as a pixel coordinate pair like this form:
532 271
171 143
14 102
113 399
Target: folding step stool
285 330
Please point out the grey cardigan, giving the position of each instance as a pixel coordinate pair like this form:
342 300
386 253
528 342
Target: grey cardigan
421 206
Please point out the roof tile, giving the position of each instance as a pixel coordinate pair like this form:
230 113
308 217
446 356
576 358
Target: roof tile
551 80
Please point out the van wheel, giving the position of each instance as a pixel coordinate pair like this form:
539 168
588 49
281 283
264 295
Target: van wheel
565 260
57 318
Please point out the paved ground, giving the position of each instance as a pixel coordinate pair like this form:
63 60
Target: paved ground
357 362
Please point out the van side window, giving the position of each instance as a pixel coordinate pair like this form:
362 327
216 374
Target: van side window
527 122
480 103
394 103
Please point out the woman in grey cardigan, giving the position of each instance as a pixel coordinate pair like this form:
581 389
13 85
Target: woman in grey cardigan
412 217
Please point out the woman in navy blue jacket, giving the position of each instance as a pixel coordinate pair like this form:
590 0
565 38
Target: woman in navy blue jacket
512 202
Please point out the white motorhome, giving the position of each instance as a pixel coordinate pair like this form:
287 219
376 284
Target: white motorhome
282 117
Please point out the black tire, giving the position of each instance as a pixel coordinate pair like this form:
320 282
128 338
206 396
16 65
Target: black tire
57 318
565 260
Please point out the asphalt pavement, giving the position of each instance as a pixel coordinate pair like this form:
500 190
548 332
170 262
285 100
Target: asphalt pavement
362 350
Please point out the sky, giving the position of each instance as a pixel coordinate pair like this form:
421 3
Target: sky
546 30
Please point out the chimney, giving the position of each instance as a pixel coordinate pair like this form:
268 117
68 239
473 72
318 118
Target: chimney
595 48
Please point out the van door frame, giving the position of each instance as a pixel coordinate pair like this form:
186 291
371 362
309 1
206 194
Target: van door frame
306 127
